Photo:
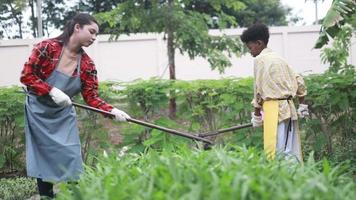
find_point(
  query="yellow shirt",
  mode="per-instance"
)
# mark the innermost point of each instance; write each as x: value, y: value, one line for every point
x: 275, y: 79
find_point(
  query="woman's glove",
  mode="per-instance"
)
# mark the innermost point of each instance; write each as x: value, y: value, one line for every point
x: 59, y: 97
x: 303, y: 110
x: 256, y: 121
x: 120, y: 115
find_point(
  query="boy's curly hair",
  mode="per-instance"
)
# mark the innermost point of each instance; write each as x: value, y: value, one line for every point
x: 255, y: 32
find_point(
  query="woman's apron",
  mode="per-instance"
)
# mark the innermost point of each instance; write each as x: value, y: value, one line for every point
x: 53, y: 150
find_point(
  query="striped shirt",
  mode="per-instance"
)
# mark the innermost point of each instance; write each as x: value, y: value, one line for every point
x: 275, y: 79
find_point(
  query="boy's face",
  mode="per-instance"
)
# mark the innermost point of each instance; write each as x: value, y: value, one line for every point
x: 255, y: 47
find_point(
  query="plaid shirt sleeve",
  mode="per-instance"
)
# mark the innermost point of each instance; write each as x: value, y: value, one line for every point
x: 302, y: 88
x: 37, y: 69
x: 88, y: 76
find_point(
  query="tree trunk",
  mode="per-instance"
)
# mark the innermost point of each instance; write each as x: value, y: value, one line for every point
x: 17, y: 19
x: 172, y: 70
x: 326, y: 131
x: 33, y: 21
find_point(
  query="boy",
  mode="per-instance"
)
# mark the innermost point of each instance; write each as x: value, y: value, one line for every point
x: 275, y: 86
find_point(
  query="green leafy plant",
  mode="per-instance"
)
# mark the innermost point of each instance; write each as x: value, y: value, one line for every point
x: 222, y: 173
x: 340, y: 13
x: 11, y: 128
x: 17, y: 188
x: 330, y: 130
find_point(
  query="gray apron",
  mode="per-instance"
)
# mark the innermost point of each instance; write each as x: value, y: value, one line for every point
x: 53, y: 150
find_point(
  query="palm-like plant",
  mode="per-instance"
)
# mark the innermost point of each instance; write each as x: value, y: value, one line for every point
x: 340, y: 13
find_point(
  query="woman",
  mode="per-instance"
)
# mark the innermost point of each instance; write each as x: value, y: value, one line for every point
x: 57, y: 70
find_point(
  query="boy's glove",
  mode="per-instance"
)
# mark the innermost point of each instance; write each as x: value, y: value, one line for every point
x: 59, y: 97
x: 120, y: 115
x: 303, y: 110
x: 256, y: 121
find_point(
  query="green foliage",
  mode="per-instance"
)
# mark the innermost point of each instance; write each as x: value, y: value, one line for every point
x: 221, y: 173
x: 146, y: 98
x: 17, y: 188
x: 208, y: 101
x: 341, y: 12
x: 187, y: 28
x: 203, y: 106
x: 337, y: 55
x: 11, y: 128
x: 270, y: 12
x: 11, y: 14
x: 331, y: 130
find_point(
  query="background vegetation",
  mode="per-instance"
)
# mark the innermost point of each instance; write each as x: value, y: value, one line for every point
x: 130, y: 161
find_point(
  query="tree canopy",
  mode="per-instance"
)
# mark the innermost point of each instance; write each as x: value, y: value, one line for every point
x: 55, y: 13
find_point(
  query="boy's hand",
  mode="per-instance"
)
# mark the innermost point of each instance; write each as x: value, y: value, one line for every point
x: 303, y: 111
x: 256, y: 121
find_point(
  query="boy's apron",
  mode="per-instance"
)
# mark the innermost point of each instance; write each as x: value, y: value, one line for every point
x: 289, y: 133
x: 270, y: 123
x: 53, y: 150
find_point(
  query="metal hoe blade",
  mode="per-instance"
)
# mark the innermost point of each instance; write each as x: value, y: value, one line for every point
x: 224, y: 130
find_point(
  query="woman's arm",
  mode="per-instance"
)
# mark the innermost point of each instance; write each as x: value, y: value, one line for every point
x: 89, y: 81
x: 33, y: 69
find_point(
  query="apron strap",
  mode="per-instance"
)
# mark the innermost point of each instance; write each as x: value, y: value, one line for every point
x: 60, y: 58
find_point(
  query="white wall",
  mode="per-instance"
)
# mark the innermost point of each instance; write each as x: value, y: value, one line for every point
x: 144, y: 56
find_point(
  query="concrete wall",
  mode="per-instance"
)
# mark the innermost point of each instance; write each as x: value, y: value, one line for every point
x: 144, y: 56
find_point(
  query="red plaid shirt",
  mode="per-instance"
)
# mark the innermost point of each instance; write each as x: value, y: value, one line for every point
x: 42, y: 62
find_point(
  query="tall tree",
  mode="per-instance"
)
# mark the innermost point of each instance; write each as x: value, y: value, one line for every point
x: 185, y: 28
x: 98, y: 6
x: 11, y: 14
x: 270, y: 12
x: 55, y: 14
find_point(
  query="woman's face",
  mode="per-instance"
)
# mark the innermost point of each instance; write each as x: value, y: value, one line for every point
x: 87, y: 34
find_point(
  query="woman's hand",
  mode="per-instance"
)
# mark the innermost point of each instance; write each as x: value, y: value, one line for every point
x: 59, y: 97
x: 120, y: 115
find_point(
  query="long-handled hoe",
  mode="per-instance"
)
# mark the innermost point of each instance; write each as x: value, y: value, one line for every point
x: 199, y: 137
x: 167, y: 130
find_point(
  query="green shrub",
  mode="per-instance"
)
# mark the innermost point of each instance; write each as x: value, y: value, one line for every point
x: 11, y: 128
x: 17, y: 188
x: 203, y: 106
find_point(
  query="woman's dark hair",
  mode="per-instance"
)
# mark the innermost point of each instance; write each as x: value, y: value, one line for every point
x: 81, y: 19
x: 255, y: 32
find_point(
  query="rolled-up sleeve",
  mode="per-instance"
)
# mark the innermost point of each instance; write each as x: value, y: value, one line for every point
x: 257, y: 100
x: 302, y: 89
x: 90, y: 86
x: 32, y: 70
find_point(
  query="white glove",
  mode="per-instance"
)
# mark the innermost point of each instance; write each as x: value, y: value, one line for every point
x: 303, y: 110
x: 120, y: 115
x: 59, y: 97
x: 256, y: 121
